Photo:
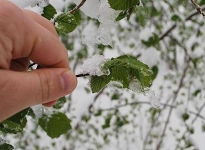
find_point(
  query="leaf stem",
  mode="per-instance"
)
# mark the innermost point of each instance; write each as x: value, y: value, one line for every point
x: 82, y: 75
x: 78, y: 75
x: 31, y: 65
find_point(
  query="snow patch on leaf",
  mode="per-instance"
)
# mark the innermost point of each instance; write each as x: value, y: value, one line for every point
x: 106, y: 16
x: 135, y: 85
x: 93, y: 66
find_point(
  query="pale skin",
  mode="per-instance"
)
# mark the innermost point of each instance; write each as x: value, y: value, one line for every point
x: 24, y: 36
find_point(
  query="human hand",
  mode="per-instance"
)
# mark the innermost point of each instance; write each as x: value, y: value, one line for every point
x: 25, y: 36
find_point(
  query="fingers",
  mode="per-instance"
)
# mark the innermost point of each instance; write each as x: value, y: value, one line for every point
x: 25, y: 34
x: 23, y: 89
x: 41, y: 21
x: 52, y: 47
x: 47, y: 50
x: 20, y: 64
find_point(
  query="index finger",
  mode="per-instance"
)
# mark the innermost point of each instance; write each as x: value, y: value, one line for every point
x: 24, y: 37
x: 47, y: 49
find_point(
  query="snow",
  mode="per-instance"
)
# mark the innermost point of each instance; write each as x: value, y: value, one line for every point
x: 90, y: 8
x: 164, y: 89
x: 89, y: 34
x: 35, y: 9
x: 2, y: 141
x: 93, y: 65
x: 135, y: 85
x: 31, y: 5
x: 106, y: 16
x: 25, y: 3
x: 153, y: 99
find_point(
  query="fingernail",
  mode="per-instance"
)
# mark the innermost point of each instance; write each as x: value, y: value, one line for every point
x: 69, y: 81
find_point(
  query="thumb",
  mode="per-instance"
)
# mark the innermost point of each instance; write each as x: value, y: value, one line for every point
x: 20, y: 90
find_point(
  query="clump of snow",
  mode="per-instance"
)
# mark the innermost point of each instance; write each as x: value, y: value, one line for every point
x: 35, y: 9
x: 32, y: 5
x: 38, y: 8
x: 153, y: 99
x: 38, y: 110
x: 90, y: 8
x: 2, y: 141
x: 25, y: 3
x: 104, y: 35
x: 89, y: 34
x: 105, y: 15
x: 135, y: 85
x: 115, y: 84
x: 93, y: 66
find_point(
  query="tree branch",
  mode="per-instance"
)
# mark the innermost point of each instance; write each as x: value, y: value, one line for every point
x: 197, y: 114
x: 198, y: 8
x: 135, y: 103
x: 194, y: 120
x: 171, y: 108
x: 175, y: 25
x: 78, y: 7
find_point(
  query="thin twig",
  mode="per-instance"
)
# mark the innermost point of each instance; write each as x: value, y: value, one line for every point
x: 135, y: 103
x: 198, y: 8
x: 175, y: 25
x: 77, y: 7
x: 82, y: 75
x: 171, y: 108
x: 197, y: 114
x: 31, y: 65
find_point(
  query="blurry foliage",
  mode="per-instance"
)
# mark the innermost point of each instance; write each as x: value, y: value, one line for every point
x: 178, y: 74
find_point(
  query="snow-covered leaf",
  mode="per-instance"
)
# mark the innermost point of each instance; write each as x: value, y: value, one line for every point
x: 123, y: 69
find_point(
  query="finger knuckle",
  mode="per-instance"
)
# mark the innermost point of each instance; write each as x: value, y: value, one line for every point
x: 45, y: 87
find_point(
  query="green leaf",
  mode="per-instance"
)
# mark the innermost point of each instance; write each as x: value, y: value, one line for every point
x: 197, y: 92
x: 123, y: 69
x: 107, y: 122
x: 185, y: 116
x: 191, y: 130
x: 15, y: 123
x: 5, y: 146
x: 142, y: 14
x: 55, y: 125
x: 98, y: 82
x: 120, y: 121
x: 123, y: 4
x: 203, y: 128
x: 60, y: 103
x: 77, y: 13
x: 155, y: 72
x: 116, y: 96
x: 49, y: 12
x: 152, y: 41
x: 175, y: 18
x: 65, y: 23
x: 122, y: 15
